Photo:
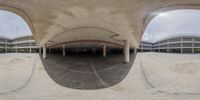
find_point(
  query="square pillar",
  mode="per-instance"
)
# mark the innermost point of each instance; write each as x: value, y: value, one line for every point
x: 104, y: 50
x: 40, y: 51
x: 64, y: 53
x: 44, y: 52
x: 193, y: 45
x: 30, y: 50
x: 6, y: 46
x: 127, y: 51
x: 135, y: 50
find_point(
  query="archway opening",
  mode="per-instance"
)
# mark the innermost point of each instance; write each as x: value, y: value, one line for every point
x: 16, y: 48
x: 169, y: 52
x: 87, y: 58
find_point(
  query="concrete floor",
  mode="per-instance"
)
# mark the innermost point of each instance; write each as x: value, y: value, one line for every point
x: 87, y: 71
x: 146, y: 80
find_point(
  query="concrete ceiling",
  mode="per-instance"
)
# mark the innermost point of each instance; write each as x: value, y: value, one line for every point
x: 58, y: 20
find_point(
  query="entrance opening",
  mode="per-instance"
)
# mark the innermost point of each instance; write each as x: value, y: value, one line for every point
x: 171, y: 65
x: 15, y: 38
x: 87, y: 65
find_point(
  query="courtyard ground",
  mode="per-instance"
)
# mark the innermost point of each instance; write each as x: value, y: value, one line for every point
x: 153, y: 76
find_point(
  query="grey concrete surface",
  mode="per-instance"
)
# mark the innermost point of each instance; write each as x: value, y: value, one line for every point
x: 68, y: 20
x: 16, y: 71
x: 87, y: 71
x: 174, y: 74
x: 133, y: 86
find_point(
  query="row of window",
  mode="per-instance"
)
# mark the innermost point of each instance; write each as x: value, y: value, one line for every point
x: 172, y: 45
x: 16, y: 40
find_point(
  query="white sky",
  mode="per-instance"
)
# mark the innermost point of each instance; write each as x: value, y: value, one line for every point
x: 173, y: 23
x: 9, y: 23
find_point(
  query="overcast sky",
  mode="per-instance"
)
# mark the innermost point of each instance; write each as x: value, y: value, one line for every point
x: 173, y: 23
x: 9, y: 23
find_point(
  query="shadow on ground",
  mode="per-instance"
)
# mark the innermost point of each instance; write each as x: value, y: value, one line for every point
x: 87, y: 71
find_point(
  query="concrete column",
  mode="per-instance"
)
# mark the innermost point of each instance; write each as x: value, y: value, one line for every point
x: 49, y: 50
x: 142, y: 48
x: 159, y: 47
x: 44, y: 52
x: 104, y: 50
x: 30, y: 50
x: 192, y: 45
x: 181, y: 45
x: 40, y: 51
x: 16, y: 49
x: 6, y: 46
x: 64, y: 50
x: 135, y: 50
x: 127, y: 51
x: 167, y: 46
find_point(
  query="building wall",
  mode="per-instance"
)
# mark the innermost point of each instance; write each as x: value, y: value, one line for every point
x: 19, y: 44
x: 178, y: 44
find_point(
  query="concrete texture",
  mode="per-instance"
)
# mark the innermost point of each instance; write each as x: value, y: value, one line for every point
x: 146, y: 80
x: 57, y: 21
x: 87, y: 71
x: 15, y: 71
x: 174, y: 74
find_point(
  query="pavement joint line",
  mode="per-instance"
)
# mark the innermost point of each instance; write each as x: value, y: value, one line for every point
x: 161, y: 91
x: 99, y: 78
x: 26, y: 82
x: 107, y: 69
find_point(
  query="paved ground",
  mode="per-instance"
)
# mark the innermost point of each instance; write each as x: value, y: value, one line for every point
x: 87, y: 71
x: 152, y: 77
x: 174, y: 74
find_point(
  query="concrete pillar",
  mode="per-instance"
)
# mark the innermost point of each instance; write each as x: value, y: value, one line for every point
x: 159, y: 47
x: 135, y: 50
x: 192, y: 45
x: 142, y: 47
x: 44, y: 52
x: 6, y: 46
x: 40, y: 51
x: 49, y: 50
x: 193, y: 50
x: 30, y: 50
x: 64, y: 50
x: 167, y: 46
x: 181, y: 45
x: 127, y: 51
x: 16, y: 49
x: 104, y: 50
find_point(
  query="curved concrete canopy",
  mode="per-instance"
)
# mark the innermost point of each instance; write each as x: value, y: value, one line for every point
x: 127, y: 18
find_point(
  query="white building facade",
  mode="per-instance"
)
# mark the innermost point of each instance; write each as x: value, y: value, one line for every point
x: 22, y: 44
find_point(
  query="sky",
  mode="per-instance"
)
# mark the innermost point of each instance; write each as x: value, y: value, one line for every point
x: 10, y: 22
x: 173, y: 23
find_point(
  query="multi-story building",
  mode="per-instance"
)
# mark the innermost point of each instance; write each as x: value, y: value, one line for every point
x: 19, y: 44
x: 176, y: 44
x: 172, y: 44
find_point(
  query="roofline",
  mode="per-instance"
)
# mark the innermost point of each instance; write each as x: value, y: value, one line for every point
x: 173, y: 36
x: 22, y: 36
x: 7, y: 38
